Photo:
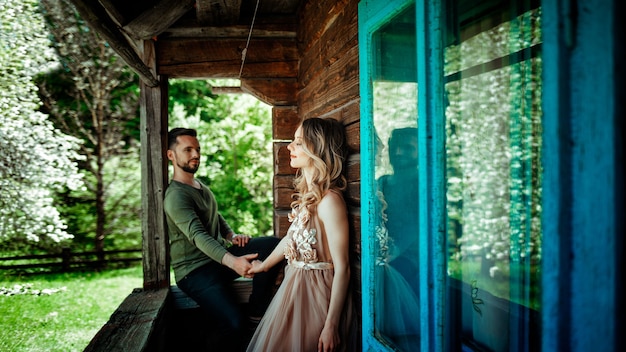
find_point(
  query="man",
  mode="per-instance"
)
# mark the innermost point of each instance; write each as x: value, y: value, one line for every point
x: 204, y: 264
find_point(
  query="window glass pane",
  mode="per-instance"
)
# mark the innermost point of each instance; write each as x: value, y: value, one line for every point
x: 493, y: 174
x: 396, y: 308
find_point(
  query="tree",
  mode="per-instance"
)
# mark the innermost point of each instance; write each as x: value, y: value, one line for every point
x: 239, y: 165
x: 36, y: 158
x: 95, y: 97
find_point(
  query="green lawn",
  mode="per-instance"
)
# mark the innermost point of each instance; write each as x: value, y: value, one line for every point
x: 67, y: 319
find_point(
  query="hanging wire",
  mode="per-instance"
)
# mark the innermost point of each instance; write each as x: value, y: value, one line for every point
x: 245, y: 50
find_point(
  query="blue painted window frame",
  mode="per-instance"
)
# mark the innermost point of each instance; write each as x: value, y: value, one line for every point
x: 372, y: 15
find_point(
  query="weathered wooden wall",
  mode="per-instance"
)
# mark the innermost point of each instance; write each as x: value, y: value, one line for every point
x: 328, y: 86
x: 329, y: 76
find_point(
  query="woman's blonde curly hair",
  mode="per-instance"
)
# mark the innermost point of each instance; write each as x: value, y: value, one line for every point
x: 324, y: 141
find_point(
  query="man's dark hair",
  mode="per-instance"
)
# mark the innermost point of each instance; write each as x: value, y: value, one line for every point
x: 179, y: 131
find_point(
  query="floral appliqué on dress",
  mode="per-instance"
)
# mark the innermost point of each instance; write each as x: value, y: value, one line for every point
x: 385, y: 242
x: 300, y: 246
x: 384, y: 245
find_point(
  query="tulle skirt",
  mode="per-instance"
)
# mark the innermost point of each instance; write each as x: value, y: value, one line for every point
x: 294, y: 320
x: 397, y: 309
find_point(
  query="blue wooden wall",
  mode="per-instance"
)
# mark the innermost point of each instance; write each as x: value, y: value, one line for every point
x: 583, y: 184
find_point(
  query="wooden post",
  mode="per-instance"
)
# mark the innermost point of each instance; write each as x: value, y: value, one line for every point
x: 155, y: 245
x: 66, y: 256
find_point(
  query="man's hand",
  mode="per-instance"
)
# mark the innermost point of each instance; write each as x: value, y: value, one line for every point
x: 239, y: 240
x: 240, y: 265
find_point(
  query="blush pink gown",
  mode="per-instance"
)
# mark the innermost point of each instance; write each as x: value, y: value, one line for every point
x: 295, y: 317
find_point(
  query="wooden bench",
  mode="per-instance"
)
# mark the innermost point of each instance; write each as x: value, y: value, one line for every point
x: 136, y: 325
x: 158, y: 320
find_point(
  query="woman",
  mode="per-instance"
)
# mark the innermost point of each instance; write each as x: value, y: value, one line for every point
x: 307, y: 312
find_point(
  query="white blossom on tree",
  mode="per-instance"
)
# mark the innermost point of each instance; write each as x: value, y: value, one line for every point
x: 94, y: 96
x: 36, y: 158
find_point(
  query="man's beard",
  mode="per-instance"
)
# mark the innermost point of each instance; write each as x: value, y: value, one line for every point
x: 189, y: 169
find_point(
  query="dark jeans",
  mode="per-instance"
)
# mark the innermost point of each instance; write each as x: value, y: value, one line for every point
x: 211, y: 287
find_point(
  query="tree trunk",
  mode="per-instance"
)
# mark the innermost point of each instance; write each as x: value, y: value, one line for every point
x: 100, y: 219
x: 100, y: 198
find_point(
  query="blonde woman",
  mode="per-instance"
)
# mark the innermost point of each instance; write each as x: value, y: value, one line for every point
x: 311, y: 310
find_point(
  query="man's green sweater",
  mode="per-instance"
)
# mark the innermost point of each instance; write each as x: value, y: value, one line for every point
x: 195, y: 228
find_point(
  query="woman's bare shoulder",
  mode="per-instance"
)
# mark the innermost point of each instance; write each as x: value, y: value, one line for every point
x: 331, y: 202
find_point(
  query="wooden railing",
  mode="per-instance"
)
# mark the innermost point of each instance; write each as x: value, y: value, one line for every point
x: 68, y: 260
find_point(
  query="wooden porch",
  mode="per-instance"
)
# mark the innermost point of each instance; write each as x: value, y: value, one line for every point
x: 299, y: 56
x: 162, y: 319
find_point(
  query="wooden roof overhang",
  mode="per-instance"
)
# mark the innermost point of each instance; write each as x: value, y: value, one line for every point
x: 205, y: 39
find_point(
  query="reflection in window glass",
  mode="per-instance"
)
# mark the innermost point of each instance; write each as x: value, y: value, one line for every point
x: 493, y: 174
x: 395, y: 122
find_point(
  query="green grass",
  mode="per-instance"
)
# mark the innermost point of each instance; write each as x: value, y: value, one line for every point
x: 68, y: 319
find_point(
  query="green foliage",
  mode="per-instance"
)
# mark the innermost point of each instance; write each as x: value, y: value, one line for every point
x: 195, y: 97
x: 123, y: 208
x: 68, y: 319
x: 78, y: 210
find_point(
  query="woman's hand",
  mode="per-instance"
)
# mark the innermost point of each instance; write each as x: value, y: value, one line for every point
x: 257, y: 267
x: 329, y: 339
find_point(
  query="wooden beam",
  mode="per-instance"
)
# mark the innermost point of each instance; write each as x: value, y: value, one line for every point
x: 274, y: 92
x: 189, y: 29
x: 221, y: 58
x: 281, y: 222
x: 201, y: 50
x: 282, y: 166
x: 218, y: 12
x: 226, y: 90
x: 157, y: 19
x: 230, y: 69
x: 285, y: 121
x: 153, y: 131
x: 99, y: 20
x: 116, y: 15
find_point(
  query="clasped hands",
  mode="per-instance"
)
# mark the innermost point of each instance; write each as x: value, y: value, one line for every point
x: 245, y: 265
